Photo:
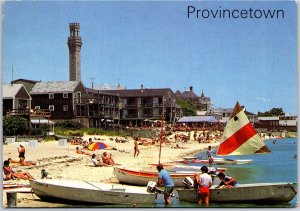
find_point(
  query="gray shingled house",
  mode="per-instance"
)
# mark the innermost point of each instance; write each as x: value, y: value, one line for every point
x: 15, y: 97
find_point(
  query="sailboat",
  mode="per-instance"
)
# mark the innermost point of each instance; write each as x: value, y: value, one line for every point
x: 239, y: 138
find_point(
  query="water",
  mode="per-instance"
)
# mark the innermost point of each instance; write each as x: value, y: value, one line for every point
x: 278, y: 166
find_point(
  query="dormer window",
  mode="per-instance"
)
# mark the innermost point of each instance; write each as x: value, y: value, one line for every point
x: 51, y: 96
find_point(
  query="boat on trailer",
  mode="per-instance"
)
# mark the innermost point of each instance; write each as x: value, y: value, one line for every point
x: 132, y: 177
x: 88, y: 192
x: 252, y: 193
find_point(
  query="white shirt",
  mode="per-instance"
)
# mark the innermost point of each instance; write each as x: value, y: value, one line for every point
x: 205, y: 180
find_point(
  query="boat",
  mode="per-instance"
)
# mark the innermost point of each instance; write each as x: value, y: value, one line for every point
x: 88, y: 192
x: 217, y: 161
x: 240, y: 137
x: 245, y: 193
x: 133, y: 177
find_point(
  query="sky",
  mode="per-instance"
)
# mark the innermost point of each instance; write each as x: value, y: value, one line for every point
x: 249, y: 60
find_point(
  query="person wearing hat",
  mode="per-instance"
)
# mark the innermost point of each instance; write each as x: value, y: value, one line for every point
x: 226, y: 181
x: 165, y: 179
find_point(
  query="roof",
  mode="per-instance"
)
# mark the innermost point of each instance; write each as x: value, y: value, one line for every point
x: 25, y: 80
x: 141, y: 92
x: 197, y: 119
x: 10, y: 90
x: 97, y: 91
x: 54, y: 86
x: 188, y: 94
x: 268, y: 118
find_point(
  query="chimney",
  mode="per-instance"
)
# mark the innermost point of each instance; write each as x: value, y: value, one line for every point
x: 142, y: 87
x: 191, y: 88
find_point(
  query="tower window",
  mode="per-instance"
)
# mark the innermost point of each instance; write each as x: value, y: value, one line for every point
x: 65, y: 95
x: 51, y: 96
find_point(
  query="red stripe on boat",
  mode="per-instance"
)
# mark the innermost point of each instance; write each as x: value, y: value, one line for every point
x: 236, y: 140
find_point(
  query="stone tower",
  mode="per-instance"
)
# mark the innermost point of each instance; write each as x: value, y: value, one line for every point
x: 74, y: 43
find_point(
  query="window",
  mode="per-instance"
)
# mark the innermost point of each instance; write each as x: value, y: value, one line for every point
x: 37, y: 107
x: 65, y: 108
x: 51, y: 96
x: 51, y: 107
x: 65, y: 95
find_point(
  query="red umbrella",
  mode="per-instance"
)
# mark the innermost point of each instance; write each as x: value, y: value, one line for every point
x: 97, y: 146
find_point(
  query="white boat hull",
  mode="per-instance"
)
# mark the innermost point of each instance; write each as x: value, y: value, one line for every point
x: 257, y: 192
x: 98, y: 193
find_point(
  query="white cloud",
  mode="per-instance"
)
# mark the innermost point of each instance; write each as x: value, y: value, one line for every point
x: 263, y: 99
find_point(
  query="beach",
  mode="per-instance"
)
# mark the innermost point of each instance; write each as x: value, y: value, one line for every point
x: 62, y: 161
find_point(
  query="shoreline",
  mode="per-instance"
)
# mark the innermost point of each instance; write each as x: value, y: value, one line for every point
x: 62, y: 162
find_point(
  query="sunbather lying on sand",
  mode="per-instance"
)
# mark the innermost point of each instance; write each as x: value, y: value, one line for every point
x: 79, y: 151
x: 11, y: 174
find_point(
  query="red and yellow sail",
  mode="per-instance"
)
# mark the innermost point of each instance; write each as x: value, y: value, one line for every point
x: 239, y: 137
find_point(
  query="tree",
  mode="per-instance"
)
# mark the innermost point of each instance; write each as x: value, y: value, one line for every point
x: 272, y: 112
x: 14, y: 125
x: 188, y: 109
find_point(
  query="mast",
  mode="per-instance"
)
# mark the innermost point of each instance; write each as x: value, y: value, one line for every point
x: 161, y: 137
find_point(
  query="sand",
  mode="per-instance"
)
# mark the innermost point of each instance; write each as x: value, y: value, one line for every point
x: 62, y: 162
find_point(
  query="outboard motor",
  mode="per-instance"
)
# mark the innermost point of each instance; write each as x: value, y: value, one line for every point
x: 212, y: 173
x: 188, y: 183
x: 151, y: 188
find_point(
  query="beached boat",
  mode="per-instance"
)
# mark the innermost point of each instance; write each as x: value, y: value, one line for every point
x: 252, y: 193
x: 132, y: 177
x: 87, y: 192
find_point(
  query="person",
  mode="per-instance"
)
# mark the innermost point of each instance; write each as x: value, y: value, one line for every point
x: 78, y: 151
x: 97, y: 162
x: 107, y: 159
x: 203, y: 183
x: 226, y: 181
x: 45, y: 174
x: 21, y: 150
x: 136, y: 147
x: 165, y: 179
x: 11, y: 174
x: 209, y: 153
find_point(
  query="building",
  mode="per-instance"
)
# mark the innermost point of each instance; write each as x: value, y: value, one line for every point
x: 97, y: 108
x: 203, y: 104
x: 59, y: 97
x: 16, y: 100
x: 223, y: 114
x: 268, y: 123
x: 74, y: 44
x: 139, y: 105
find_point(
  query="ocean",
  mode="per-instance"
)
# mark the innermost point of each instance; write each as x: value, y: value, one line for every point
x: 278, y: 166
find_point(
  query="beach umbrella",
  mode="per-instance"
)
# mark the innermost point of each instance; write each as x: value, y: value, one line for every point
x: 97, y: 146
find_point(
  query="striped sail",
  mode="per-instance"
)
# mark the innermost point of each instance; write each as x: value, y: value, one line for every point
x: 240, y: 138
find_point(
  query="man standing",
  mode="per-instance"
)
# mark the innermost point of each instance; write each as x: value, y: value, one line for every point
x: 204, y: 182
x: 209, y: 153
x: 165, y: 179
x: 136, y: 147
